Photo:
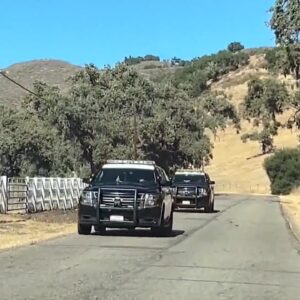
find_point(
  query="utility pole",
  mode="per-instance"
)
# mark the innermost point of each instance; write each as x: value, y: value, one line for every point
x: 135, y: 137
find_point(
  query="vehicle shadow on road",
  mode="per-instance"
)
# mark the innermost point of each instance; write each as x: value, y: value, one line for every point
x: 196, y: 211
x: 137, y: 233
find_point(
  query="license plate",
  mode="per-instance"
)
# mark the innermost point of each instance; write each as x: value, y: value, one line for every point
x: 116, y: 218
x: 186, y: 202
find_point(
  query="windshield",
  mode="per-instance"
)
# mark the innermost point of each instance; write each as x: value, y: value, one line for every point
x: 125, y: 176
x: 189, y: 178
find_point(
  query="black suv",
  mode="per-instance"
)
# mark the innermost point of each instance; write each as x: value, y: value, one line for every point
x: 193, y: 189
x: 127, y: 194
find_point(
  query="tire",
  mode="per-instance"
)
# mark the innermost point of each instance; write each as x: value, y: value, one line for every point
x: 165, y: 228
x: 100, y: 229
x: 209, y: 207
x: 84, y: 229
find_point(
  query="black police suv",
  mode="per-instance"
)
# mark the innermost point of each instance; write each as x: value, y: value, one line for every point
x: 193, y: 189
x: 127, y: 194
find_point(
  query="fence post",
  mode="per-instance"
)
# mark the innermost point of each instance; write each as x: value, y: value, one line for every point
x: 3, y: 193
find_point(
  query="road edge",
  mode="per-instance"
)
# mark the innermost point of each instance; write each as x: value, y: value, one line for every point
x: 33, y: 242
x: 290, y: 220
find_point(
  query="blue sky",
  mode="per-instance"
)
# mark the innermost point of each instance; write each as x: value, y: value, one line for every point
x: 105, y: 31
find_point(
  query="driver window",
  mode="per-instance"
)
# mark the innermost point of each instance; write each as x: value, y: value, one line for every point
x: 162, y: 176
x: 165, y: 175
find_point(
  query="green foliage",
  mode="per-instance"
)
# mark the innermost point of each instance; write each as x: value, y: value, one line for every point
x: 265, y: 100
x: 283, y: 169
x: 150, y: 57
x: 294, y: 120
x: 235, y: 47
x: 277, y: 60
x: 218, y: 110
x: 56, y: 134
x: 26, y: 146
x: 285, y: 23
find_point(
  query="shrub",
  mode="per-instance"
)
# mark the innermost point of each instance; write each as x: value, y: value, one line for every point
x: 283, y: 169
x: 235, y: 47
x: 150, y: 57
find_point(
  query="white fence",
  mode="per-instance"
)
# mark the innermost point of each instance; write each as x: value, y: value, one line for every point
x: 44, y: 193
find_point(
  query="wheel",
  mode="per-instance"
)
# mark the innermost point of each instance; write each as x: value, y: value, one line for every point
x: 165, y: 228
x: 209, y: 207
x: 100, y: 229
x: 84, y: 229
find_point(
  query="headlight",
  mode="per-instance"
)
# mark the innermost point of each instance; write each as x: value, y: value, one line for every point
x: 150, y: 200
x: 89, y: 198
x: 202, y: 192
x: 174, y: 190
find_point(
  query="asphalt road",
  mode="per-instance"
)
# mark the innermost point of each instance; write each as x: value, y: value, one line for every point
x: 244, y: 251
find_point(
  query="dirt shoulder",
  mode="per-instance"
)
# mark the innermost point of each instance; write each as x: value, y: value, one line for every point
x: 291, y: 208
x: 19, y: 230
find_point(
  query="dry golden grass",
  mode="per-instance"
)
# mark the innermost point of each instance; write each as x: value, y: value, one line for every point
x: 19, y: 230
x: 237, y: 166
x: 291, y: 208
x: 231, y: 167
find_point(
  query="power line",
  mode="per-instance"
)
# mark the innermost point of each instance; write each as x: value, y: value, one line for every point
x: 20, y: 85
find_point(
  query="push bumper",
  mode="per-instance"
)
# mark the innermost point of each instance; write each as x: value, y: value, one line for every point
x: 120, y: 217
x: 191, y: 202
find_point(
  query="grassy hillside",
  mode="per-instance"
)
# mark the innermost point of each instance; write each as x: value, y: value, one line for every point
x: 53, y: 72
x: 155, y: 70
x: 56, y: 72
x: 237, y: 166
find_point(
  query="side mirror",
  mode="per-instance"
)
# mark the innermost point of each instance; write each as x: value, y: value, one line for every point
x: 212, y: 182
x: 87, y: 180
x: 167, y: 183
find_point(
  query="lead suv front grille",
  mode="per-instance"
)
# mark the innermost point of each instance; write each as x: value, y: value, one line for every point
x: 119, y: 198
x: 186, y: 191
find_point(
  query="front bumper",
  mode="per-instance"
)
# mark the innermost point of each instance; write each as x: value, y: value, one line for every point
x: 190, y: 202
x: 139, y: 217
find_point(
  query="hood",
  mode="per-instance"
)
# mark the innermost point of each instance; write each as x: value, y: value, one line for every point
x: 194, y: 185
x: 152, y: 188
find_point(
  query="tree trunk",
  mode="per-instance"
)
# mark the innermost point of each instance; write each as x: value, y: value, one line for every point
x: 263, y: 146
x: 297, y: 75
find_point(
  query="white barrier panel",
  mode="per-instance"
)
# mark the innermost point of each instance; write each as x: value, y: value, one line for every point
x: 44, y: 193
